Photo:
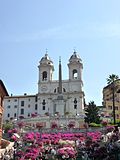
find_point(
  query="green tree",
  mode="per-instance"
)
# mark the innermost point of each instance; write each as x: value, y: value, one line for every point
x: 7, y: 126
x: 112, y: 81
x: 92, y: 113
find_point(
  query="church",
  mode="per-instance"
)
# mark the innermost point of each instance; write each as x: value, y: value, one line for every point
x: 54, y: 97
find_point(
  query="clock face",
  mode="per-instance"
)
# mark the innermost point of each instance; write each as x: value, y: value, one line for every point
x: 44, y: 88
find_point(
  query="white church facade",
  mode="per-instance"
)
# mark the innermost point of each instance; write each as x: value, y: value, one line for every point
x: 62, y: 97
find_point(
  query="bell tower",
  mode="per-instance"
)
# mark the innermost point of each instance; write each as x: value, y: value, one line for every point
x: 75, y: 67
x: 75, y: 83
x: 46, y: 69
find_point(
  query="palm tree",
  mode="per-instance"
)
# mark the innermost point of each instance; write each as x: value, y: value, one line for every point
x: 112, y: 82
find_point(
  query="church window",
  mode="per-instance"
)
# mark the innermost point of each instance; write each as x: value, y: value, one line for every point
x: 75, y: 103
x: 75, y: 74
x: 43, y: 107
x: 64, y: 90
x: 44, y: 76
x: 43, y: 103
x: 14, y: 114
x: 57, y: 90
x: 8, y: 115
x: 75, y: 106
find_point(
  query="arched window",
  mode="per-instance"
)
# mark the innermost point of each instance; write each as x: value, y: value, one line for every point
x: 44, y: 76
x: 75, y: 103
x: 75, y: 74
x: 15, y: 114
x: 64, y: 90
x: 55, y: 90
x: 43, y: 104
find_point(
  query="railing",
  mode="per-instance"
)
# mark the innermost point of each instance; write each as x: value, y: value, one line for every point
x: 51, y: 118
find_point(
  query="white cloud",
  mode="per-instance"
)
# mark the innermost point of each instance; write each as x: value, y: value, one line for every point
x: 106, y: 30
x: 90, y: 30
x: 74, y: 31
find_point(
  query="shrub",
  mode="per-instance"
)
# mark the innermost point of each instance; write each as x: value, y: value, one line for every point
x: 94, y: 125
x: 117, y: 122
x: 7, y: 126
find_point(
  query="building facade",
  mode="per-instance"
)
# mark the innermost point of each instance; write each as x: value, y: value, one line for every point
x: 3, y: 93
x: 63, y: 97
x: 18, y: 107
x: 108, y: 100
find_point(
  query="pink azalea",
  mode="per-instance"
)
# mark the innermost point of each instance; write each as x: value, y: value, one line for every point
x: 39, y: 145
x: 67, y: 151
x: 34, y: 115
x: 10, y: 133
x: 54, y: 125
x: 31, y: 156
x: 14, y: 138
x: 14, y: 130
x: 29, y: 137
x: 20, y: 124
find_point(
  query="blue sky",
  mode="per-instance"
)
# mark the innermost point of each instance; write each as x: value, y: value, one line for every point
x: 28, y: 27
